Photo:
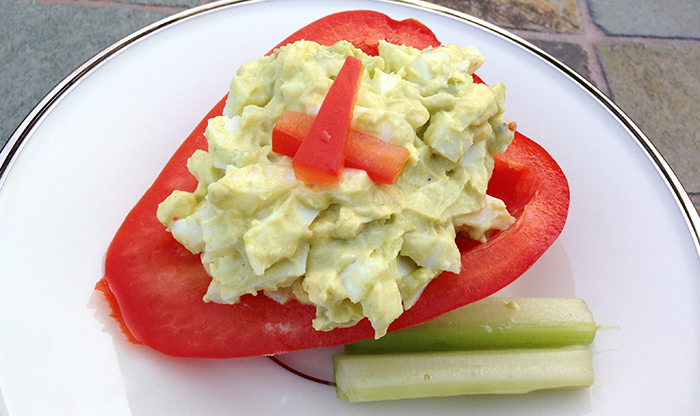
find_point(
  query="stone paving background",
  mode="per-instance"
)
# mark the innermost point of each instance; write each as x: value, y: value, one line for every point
x: 644, y: 54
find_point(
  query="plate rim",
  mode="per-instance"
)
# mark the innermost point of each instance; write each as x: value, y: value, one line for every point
x: 34, y: 120
x: 11, y: 150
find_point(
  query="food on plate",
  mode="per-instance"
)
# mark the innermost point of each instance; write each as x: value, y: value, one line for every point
x: 304, y: 228
x: 492, y: 346
x: 244, y: 258
x: 383, y: 161
x: 493, y: 323
x: 320, y: 158
x: 451, y: 373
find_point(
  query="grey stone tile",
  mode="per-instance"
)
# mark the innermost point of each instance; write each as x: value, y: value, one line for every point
x: 41, y: 44
x: 670, y: 18
x: 570, y: 54
x: 561, y: 16
x: 172, y: 3
x: 657, y: 86
x: 696, y: 200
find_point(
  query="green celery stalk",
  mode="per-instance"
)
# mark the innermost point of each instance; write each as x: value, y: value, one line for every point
x: 493, y: 323
x: 438, y: 374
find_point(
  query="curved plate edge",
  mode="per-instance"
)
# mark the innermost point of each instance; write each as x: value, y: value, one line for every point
x: 18, y: 139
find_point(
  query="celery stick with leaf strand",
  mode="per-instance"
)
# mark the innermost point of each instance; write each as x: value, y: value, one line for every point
x: 493, y: 323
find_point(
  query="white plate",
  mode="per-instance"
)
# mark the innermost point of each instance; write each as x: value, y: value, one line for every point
x: 92, y: 147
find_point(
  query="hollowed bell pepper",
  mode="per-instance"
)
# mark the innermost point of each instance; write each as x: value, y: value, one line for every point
x: 155, y: 286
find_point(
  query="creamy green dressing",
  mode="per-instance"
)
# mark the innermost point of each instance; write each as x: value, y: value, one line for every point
x: 358, y: 249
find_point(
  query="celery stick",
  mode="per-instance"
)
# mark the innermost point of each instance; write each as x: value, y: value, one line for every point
x: 493, y: 323
x: 437, y: 374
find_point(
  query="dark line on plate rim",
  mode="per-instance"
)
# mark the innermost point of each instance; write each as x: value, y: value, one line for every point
x: 300, y: 373
x: 17, y: 140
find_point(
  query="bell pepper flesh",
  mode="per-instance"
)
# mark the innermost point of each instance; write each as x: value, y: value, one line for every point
x: 364, y: 29
x: 155, y: 286
x: 321, y: 156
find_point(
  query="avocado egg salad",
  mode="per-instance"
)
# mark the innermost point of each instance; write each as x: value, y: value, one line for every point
x: 357, y: 248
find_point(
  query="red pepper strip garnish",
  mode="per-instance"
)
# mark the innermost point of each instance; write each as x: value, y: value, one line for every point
x: 383, y: 161
x: 321, y: 156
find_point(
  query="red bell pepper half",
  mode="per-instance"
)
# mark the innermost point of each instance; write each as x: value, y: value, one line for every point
x: 155, y: 286
x: 383, y: 161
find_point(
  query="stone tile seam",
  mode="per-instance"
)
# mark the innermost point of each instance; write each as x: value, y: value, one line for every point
x: 589, y: 43
x: 593, y: 32
x: 591, y: 36
x: 588, y: 46
x: 108, y: 4
x: 600, y: 38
